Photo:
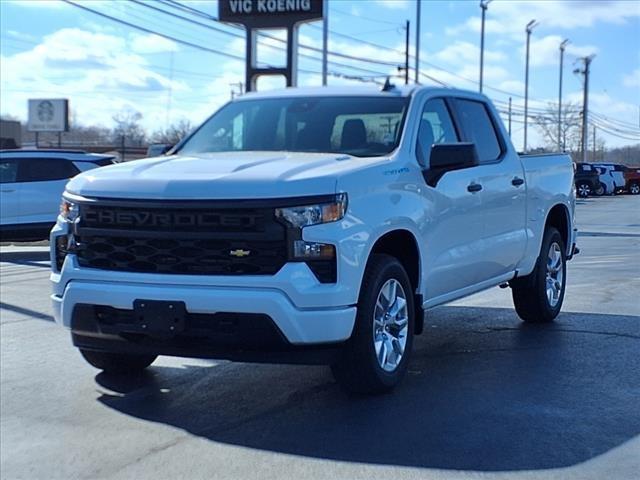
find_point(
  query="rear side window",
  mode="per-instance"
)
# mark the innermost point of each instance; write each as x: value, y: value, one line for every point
x: 8, y: 170
x: 46, y: 169
x: 478, y: 128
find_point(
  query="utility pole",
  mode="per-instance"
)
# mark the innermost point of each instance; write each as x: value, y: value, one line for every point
x: 325, y: 43
x: 418, y: 4
x: 561, y: 145
x: 594, y: 143
x: 484, y: 4
x: 406, y: 56
x: 585, y: 104
x: 509, y: 116
x: 529, y: 29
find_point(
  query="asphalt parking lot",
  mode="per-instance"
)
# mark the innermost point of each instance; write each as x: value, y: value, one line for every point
x: 486, y: 396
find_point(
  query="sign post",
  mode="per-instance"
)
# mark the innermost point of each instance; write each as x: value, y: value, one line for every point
x: 270, y: 14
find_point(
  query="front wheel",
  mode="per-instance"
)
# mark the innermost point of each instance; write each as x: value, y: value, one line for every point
x: 376, y: 356
x: 119, y: 363
x: 538, y: 297
x: 583, y: 189
x: 601, y: 189
x: 634, y: 188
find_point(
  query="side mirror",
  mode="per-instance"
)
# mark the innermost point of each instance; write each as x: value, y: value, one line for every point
x: 158, y: 149
x: 446, y: 157
x: 453, y: 156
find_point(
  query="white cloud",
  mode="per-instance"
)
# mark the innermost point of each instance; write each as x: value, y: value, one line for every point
x: 510, y: 17
x: 545, y: 51
x: 393, y: 4
x: 144, y: 44
x: 98, y: 72
x: 632, y: 79
x: 467, y: 52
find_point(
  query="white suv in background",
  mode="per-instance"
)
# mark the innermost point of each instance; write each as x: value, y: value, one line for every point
x: 31, y: 183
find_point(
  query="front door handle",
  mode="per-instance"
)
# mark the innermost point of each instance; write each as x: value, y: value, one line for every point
x: 474, y: 187
x: 517, y: 181
x: 7, y: 191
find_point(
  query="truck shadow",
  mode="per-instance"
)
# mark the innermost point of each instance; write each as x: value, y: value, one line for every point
x: 483, y: 392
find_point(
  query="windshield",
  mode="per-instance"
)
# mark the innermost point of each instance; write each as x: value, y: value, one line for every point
x: 360, y: 126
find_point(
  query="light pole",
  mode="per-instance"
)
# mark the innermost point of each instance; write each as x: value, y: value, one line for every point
x: 530, y: 26
x: 418, y: 14
x: 484, y: 4
x: 561, y: 145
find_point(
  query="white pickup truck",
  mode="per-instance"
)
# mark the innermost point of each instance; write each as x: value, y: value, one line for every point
x: 313, y: 226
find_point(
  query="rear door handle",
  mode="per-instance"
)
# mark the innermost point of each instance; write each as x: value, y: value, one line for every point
x: 517, y: 181
x: 7, y: 191
x: 474, y: 187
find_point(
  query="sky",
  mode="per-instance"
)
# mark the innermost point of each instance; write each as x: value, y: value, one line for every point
x: 52, y: 49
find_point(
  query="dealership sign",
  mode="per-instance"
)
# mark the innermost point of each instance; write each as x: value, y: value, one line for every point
x: 269, y: 13
x: 48, y: 115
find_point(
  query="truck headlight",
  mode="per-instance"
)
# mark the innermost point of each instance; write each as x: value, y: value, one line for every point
x: 69, y: 211
x: 307, y: 215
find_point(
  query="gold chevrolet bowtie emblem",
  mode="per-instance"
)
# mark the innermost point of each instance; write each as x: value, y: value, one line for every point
x: 240, y: 253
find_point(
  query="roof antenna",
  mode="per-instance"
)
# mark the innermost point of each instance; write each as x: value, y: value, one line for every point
x: 388, y: 86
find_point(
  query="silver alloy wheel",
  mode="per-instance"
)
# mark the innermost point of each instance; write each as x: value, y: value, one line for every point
x: 634, y: 189
x: 584, y: 190
x: 555, y: 274
x: 390, y: 325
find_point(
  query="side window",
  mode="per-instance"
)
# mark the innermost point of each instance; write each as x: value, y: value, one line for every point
x: 478, y: 128
x: 435, y: 127
x: 8, y: 170
x: 46, y: 169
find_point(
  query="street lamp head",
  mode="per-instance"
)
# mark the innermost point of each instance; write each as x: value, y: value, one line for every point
x: 531, y: 25
x: 485, y: 3
x: 564, y: 43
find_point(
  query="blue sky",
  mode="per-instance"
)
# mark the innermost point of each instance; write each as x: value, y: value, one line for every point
x: 53, y: 49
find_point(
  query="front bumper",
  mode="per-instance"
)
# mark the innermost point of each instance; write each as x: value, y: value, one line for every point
x: 299, y: 327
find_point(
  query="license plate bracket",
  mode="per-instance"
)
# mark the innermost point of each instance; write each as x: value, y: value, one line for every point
x: 159, y: 316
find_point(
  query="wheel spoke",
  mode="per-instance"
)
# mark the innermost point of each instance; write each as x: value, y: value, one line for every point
x: 397, y: 306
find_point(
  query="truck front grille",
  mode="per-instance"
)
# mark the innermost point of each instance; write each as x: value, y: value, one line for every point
x: 180, y: 239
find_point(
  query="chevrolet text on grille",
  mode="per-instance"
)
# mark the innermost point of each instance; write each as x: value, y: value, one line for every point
x: 168, y: 219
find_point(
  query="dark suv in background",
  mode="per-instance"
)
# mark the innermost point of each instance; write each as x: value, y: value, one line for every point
x: 587, y: 179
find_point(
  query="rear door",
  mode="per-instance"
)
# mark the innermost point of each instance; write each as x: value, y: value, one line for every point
x: 9, y: 192
x: 43, y: 181
x: 501, y: 176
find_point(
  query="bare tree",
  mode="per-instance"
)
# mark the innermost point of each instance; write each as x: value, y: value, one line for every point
x: 570, y: 133
x: 174, y: 133
x: 127, y: 125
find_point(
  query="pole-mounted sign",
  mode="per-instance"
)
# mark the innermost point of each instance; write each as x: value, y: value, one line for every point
x: 263, y: 14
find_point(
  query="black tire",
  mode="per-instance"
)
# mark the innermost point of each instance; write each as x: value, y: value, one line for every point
x: 583, y: 189
x: 600, y: 190
x: 634, y: 188
x: 119, y: 363
x: 529, y: 293
x: 358, y: 370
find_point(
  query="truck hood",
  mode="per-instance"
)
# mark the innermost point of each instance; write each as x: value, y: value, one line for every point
x: 226, y: 175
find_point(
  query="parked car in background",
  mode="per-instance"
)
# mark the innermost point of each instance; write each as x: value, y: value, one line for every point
x: 632, y: 180
x: 586, y: 179
x: 606, y: 185
x: 31, y: 183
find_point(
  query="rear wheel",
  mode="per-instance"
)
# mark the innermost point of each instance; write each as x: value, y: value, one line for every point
x: 376, y: 357
x: 634, y: 188
x: 583, y: 189
x: 117, y: 362
x: 538, y: 297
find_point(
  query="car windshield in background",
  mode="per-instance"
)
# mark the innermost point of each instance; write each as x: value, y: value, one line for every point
x: 359, y: 126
